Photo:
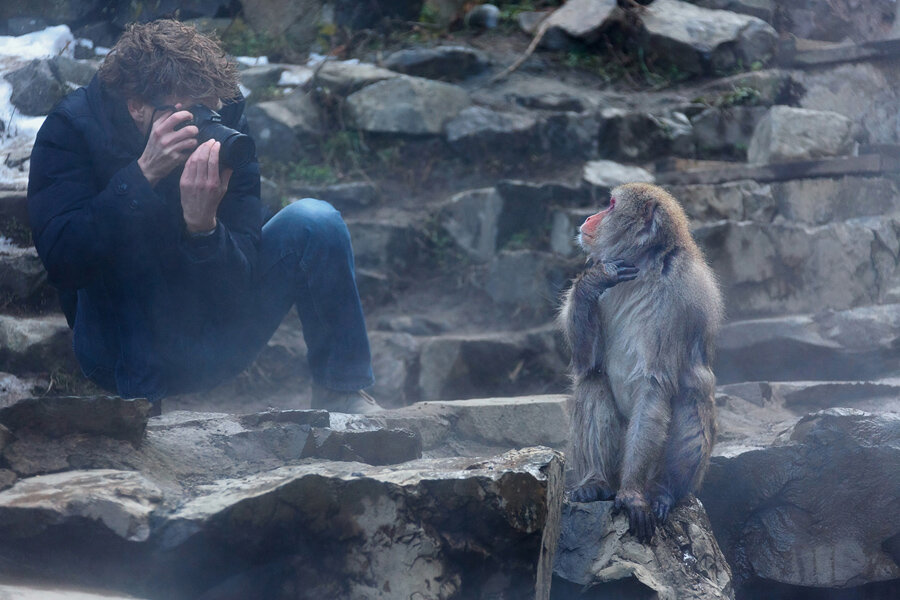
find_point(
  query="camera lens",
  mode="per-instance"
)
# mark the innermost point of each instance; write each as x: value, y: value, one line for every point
x: 237, y: 149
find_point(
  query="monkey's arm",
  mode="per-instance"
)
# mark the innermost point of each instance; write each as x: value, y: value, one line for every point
x: 580, y: 314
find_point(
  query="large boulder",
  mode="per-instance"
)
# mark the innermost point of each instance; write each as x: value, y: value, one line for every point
x: 345, y: 77
x: 596, y: 551
x: 36, y: 87
x: 406, y: 105
x: 778, y: 268
x: 287, y: 128
x: 837, y: 20
x: 584, y: 20
x: 764, y: 9
x: 434, y: 528
x: 699, y: 40
x: 815, y: 508
x: 725, y: 133
x: 787, y: 133
x: 23, y: 280
x: 485, y: 135
x: 836, y: 345
x: 297, y: 23
x: 606, y: 175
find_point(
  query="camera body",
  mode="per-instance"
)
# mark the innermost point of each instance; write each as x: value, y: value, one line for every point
x: 237, y: 148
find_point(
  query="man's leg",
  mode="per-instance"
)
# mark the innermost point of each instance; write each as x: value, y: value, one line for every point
x: 306, y: 261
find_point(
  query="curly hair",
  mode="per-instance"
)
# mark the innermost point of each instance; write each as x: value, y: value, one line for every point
x: 166, y: 57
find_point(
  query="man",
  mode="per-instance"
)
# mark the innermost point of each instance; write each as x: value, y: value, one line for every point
x: 166, y: 273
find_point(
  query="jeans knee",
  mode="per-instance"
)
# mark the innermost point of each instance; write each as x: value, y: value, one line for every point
x: 310, y: 222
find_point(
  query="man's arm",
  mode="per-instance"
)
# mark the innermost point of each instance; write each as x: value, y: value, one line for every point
x: 78, y: 227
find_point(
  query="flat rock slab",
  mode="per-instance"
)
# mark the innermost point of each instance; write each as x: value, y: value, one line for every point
x: 433, y: 528
x: 850, y: 345
x: 55, y: 417
x: 815, y: 508
x: 406, y: 105
x: 683, y: 561
x: 119, y: 501
x: 373, y: 447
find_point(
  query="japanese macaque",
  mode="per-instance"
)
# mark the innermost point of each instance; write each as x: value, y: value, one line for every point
x: 641, y: 321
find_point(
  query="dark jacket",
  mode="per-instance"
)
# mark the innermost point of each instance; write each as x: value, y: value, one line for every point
x: 149, y: 297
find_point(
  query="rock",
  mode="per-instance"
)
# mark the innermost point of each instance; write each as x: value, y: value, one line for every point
x: 802, y: 397
x: 54, y: 417
x: 555, y: 101
x: 698, y: 40
x: 566, y: 135
x: 545, y: 193
x: 7, y: 479
x: 13, y: 207
x: 527, y: 279
x: 384, y: 244
x: 763, y: 9
x: 755, y: 88
x: 606, y: 174
x: 778, y: 268
x: 780, y: 513
x: 483, y: 16
x: 683, y: 562
x: 352, y: 195
x: 36, y: 87
x: 395, y: 362
x: 481, y: 134
x: 554, y: 38
x: 744, y: 200
x: 864, y: 92
x: 725, y: 133
x: 472, y: 366
x: 23, y: 280
x: 286, y: 127
x: 406, y: 105
x: 585, y: 20
x: 24, y: 592
x: 471, y: 218
x: 634, y: 136
x: 410, y: 530
x: 356, y: 15
x: 119, y: 501
x: 564, y: 229
x: 345, y: 77
x: 13, y: 388
x: 295, y: 22
x: 38, y: 344
x: 261, y: 76
x: 841, y: 345
x: 859, y: 20
x: 788, y: 133
x: 446, y: 63
x: 373, y: 446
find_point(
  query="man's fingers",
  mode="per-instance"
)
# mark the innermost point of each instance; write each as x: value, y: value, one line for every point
x: 212, y: 164
x: 225, y: 177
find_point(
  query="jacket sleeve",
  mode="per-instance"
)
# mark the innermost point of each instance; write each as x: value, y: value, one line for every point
x: 77, y: 224
x: 227, y: 258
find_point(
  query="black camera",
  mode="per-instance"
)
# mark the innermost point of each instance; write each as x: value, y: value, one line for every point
x: 237, y: 148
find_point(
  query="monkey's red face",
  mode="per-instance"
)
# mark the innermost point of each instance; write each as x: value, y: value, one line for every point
x: 589, y: 227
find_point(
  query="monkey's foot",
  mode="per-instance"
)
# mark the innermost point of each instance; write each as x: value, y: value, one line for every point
x: 640, y: 518
x: 661, y: 507
x: 592, y: 490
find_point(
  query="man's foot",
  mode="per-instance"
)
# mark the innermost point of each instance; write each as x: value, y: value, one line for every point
x: 356, y: 403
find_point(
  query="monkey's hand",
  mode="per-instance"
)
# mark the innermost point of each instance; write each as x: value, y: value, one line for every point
x: 602, y: 276
x: 640, y: 518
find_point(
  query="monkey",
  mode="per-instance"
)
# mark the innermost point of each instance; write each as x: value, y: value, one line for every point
x: 641, y: 321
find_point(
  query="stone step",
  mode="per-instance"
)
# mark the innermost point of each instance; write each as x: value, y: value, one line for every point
x: 849, y: 345
x: 36, y: 345
x: 23, y: 280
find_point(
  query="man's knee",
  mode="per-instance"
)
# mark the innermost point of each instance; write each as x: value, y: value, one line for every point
x: 312, y: 221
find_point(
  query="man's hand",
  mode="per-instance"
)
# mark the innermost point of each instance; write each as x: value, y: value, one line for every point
x: 167, y: 148
x: 202, y: 187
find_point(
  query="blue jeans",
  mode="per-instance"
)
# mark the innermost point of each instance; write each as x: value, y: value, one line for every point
x: 306, y: 260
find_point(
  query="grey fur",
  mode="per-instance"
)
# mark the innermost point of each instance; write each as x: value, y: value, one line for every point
x: 643, y: 410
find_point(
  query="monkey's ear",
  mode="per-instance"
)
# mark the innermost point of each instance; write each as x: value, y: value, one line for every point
x: 651, y: 216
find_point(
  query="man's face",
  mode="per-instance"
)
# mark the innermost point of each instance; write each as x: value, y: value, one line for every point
x: 145, y: 114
